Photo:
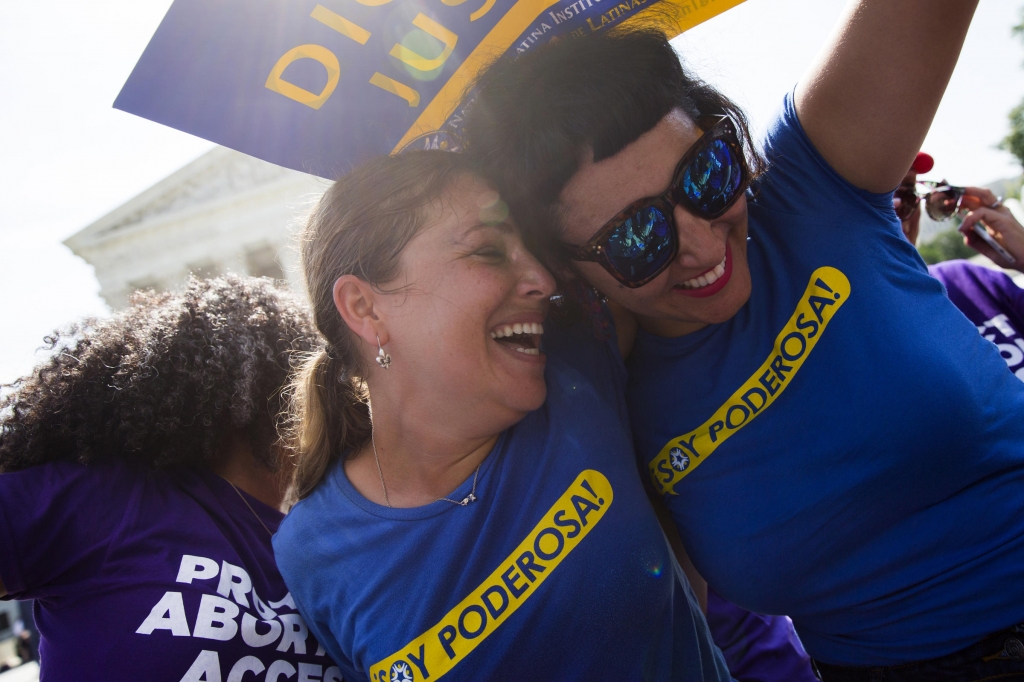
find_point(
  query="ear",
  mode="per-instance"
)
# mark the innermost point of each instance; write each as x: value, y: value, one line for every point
x: 355, y: 301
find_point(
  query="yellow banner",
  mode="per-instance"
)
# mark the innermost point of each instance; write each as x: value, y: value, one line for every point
x: 825, y: 294
x: 674, y: 17
x: 475, y: 618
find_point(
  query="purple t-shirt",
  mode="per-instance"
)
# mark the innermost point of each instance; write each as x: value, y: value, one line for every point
x: 757, y: 648
x: 992, y: 302
x: 157, y: 576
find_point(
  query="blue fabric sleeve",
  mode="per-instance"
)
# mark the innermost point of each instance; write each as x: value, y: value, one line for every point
x: 295, y: 551
x: 799, y: 181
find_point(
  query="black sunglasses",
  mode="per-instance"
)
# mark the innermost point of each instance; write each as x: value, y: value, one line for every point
x: 641, y: 241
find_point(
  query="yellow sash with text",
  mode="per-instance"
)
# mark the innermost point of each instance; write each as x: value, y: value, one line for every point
x: 826, y: 292
x: 475, y: 618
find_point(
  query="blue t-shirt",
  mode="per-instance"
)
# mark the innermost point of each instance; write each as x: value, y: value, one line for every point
x: 559, y: 570
x: 846, y: 450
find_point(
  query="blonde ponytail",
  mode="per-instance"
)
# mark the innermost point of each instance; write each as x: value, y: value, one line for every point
x: 330, y: 410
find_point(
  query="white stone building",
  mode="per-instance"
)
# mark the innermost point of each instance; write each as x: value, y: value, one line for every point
x: 228, y: 212
x: 224, y: 212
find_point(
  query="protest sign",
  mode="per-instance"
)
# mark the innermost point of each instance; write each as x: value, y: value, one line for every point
x: 318, y: 85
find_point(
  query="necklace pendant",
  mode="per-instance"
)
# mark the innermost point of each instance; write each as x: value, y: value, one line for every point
x: 470, y: 498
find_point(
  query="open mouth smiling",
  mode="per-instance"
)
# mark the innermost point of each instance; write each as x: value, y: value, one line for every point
x: 709, y: 282
x: 520, y: 337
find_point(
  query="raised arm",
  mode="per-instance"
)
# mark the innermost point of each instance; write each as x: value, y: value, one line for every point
x: 868, y: 100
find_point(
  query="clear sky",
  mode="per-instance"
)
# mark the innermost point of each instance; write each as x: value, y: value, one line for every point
x: 67, y: 157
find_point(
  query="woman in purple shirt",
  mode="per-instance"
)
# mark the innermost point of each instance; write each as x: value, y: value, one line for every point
x: 141, y: 484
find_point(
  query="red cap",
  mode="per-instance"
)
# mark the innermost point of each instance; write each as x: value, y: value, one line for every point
x: 923, y: 163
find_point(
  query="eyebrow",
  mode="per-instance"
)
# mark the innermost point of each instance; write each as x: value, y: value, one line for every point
x: 504, y: 227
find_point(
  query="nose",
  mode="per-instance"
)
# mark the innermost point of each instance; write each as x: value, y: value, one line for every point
x: 699, y: 245
x: 534, y: 279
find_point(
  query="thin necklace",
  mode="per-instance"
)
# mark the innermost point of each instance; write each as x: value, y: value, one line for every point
x: 471, y: 497
x: 466, y: 500
x: 250, y: 507
x: 379, y: 472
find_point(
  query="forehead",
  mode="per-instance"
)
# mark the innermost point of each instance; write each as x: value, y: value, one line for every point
x: 469, y: 205
x: 641, y: 169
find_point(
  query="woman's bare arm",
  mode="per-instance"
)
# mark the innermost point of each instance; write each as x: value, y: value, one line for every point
x: 869, y: 99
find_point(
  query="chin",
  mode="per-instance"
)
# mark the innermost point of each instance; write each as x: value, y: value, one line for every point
x: 734, y: 298
x: 534, y: 399
x: 528, y: 396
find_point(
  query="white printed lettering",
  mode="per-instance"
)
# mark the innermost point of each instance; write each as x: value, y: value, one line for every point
x: 1002, y: 324
x: 255, y: 639
x: 295, y: 632
x: 1010, y: 353
x: 333, y: 674
x: 234, y: 580
x: 310, y: 672
x: 265, y: 611
x: 248, y: 664
x: 196, y: 568
x: 168, y: 614
x: 287, y: 601
x: 206, y: 668
x: 278, y: 668
x: 216, y: 619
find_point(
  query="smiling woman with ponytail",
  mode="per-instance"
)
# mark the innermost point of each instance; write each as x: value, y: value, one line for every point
x: 329, y: 398
x: 470, y: 504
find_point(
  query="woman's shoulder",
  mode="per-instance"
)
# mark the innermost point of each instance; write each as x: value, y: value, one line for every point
x: 69, y: 483
x: 57, y: 520
x: 799, y: 181
x: 304, y: 525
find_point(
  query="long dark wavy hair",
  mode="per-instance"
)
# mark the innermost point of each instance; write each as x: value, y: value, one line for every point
x: 163, y: 381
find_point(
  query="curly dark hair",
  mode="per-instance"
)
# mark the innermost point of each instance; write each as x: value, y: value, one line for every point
x: 164, y: 381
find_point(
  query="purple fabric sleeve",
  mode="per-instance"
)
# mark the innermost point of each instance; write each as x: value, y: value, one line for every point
x: 981, y: 293
x: 56, y: 524
x: 757, y: 648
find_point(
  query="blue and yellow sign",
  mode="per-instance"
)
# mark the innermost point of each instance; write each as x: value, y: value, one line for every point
x: 318, y: 85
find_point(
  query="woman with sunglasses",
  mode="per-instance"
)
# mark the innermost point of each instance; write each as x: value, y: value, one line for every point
x: 471, y: 508
x: 834, y: 440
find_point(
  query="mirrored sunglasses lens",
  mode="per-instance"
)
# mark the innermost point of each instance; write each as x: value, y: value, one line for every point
x: 908, y: 201
x: 712, y: 180
x: 941, y: 205
x: 640, y: 246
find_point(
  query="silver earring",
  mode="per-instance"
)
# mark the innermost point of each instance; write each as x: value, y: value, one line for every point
x: 383, y: 359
